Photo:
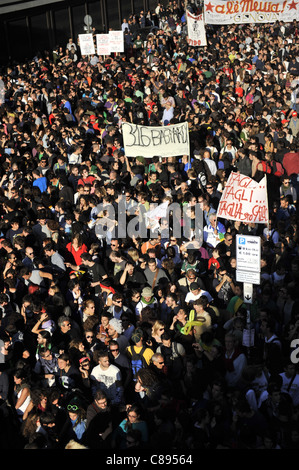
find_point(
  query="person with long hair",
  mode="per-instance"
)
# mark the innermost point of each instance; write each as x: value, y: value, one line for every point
x: 132, y: 421
x: 76, y: 350
x: 55, y: 302
x: 149, y: 388
x: 38, y: 403
x: 43, y: 342
x: 158, y: 329
x: 75, y: 425
x: 76, y: 248
x: 21, y: 393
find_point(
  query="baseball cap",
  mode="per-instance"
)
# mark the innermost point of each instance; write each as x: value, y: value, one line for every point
x: 194, y: 286
x: 294, y: 113
x: 284, y: 121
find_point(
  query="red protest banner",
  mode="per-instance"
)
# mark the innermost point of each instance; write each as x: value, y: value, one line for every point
x: 244, y: 200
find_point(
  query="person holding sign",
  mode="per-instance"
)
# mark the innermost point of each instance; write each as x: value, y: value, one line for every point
x: 213, y: 233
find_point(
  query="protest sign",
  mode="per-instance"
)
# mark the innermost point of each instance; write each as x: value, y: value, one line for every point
x: 158, y: 212
x: 153, y: 216
x: 86, y: 44
x: 103, y: 44
x: 249, y: 11
x: 244, y: 200
x: 147, y: 141
x: 116, y: 41
x: 196, y: 30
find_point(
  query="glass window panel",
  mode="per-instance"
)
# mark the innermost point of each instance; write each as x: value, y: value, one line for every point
x: 18, y: 39
x: 78, y: 14
x: 94, y: 10
x: 3, y: 49
x: 112, y: 11
x: 138, y: 6
x: 126, y: 9
x: 62, y: 26
x: 39, y: 33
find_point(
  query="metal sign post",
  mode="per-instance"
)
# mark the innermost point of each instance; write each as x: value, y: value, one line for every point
x: 248, y: 259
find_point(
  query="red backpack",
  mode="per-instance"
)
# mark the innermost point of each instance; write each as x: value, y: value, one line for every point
x: 265, y: 167
x: 277, y: 168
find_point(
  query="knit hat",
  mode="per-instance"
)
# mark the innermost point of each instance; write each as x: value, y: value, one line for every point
x: 117, y: 325
x: 137, y: 335
x: 147, y: 292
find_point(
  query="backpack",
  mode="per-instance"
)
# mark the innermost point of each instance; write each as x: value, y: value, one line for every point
x: 137, y: 361
x: 264, y: 167
x: 277, y: 169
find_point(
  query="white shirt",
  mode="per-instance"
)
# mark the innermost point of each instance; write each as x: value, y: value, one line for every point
x: 212, y: 165
x: 232, y: 378
x: 106, y: 380
x: 190, y: 297
x: 75, y: 159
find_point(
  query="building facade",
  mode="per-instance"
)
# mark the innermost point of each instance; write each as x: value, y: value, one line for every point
x: 27, y: 27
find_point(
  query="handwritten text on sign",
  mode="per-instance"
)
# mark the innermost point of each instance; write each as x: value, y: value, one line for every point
x: 196, y: 30
x: 147, y: 141
x: 103, y: 44
x: 86, y: 44
x: 250, y: 11
x: 244, y: 200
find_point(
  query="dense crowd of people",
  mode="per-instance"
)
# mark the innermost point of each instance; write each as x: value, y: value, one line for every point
x: 131, y: 343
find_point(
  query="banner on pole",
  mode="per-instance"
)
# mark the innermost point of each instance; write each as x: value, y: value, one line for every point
x: 196, y: 30
x: 147, y: 141
x: 86, y: 44
x: 244, y: 200
x: 250, y: 11
x: 103, y: 44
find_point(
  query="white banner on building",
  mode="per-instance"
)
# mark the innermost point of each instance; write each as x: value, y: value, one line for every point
x: 250, y: 11
x: 196, y: 30
x: 103, y: 44
x: 116, y: 41
x: 147, y: 141
x: 86, y: 44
